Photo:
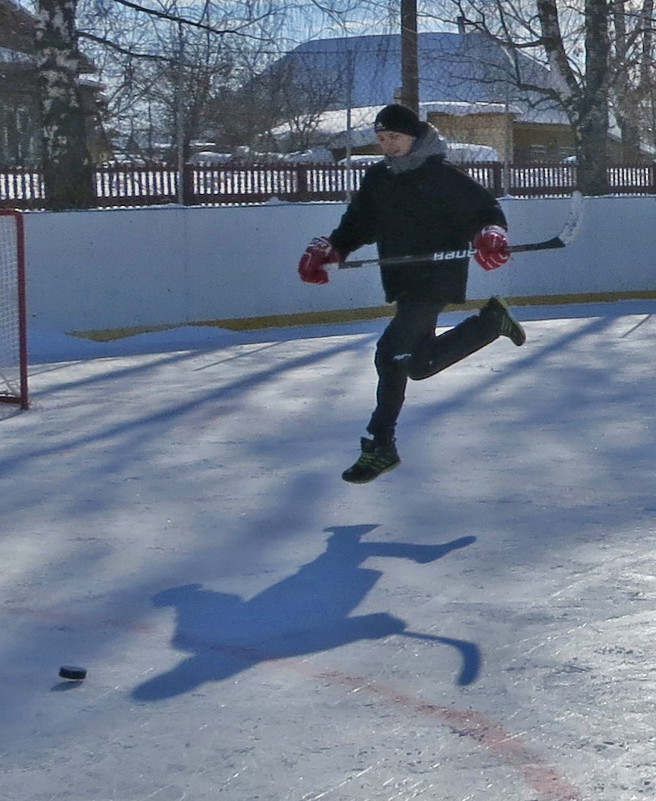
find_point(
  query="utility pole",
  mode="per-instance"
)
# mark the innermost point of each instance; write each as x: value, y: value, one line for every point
x: 180, y: 119
x: 409, y: 67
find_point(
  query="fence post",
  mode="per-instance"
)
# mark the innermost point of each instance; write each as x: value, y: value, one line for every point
x: 302, y: 182
x: 188, y: 194
x: 497, y: 180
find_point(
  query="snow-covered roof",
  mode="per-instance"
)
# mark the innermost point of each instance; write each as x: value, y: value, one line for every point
x: 467, y: 151
x: 332, y: 128
x: 453, y: 68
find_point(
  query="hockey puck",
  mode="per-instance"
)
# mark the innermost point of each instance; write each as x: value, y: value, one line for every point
x: 73, y: 673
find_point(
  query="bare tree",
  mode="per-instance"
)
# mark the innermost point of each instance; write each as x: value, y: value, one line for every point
x: 573, y: 40
x: 632, y: 61
x: 67, y: 168
x: 168, y: 65
x: 291, y: 92
x: 174, y: 61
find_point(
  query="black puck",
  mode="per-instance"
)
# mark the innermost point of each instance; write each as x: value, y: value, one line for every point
x: 72, y: 672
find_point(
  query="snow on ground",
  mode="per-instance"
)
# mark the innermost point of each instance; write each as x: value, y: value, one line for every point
x: 477, y: 625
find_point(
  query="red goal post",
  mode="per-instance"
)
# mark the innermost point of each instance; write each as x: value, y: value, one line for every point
x: 13, y: 311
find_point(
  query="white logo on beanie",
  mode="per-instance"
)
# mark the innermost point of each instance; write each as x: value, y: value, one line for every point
x: 399, y: 119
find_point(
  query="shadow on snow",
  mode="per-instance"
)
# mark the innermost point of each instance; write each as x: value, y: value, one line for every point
x: 305, y: 613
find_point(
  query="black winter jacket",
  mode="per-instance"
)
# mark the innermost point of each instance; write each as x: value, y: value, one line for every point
x: 432, y: 207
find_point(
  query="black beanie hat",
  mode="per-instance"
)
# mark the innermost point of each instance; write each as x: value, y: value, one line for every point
x: 399, y: 119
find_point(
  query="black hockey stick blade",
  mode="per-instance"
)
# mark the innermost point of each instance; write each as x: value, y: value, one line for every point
x: 566, y: 235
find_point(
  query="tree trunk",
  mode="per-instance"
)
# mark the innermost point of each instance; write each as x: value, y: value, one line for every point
x: 592, y: 120
x: 632, y: 62
x: 631, y: 142
x: 67, y: 167
x: 586, y: 101
x: 409, y: 65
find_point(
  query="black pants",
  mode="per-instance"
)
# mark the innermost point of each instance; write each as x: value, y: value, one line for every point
x: 409, y: 348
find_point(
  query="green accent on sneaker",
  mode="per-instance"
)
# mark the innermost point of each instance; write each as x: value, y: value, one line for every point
x: 374, y: 460
x: 497, y: 310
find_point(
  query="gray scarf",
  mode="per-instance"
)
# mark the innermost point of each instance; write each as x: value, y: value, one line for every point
x: 430, y: 143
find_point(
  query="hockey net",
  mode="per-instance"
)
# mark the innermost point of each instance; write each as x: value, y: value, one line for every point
x: 13, y: 322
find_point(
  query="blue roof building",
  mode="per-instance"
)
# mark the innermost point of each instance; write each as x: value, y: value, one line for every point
x: 473, y: 89
x: 465, y: 67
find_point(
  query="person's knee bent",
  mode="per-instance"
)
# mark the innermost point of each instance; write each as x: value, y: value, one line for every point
x: 387, y: 360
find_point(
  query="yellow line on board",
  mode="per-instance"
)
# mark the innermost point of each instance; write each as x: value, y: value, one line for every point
x: 353, y: 315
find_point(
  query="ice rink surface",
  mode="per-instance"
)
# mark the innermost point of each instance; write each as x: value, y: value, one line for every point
x: 476, y: 625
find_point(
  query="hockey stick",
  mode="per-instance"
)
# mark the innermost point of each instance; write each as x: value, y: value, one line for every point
x: 566, y: 235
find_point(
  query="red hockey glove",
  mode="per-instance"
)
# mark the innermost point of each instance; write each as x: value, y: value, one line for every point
x: 317, y: 254
x: 491, y: 246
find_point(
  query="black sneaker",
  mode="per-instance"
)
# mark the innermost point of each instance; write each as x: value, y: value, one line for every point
x: 375, y: 459
x: 498, y: 312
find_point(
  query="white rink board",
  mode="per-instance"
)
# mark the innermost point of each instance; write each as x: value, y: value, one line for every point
x: 106, y: 269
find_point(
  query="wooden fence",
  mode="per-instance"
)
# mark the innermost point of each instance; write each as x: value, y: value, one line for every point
x: 241, y: 183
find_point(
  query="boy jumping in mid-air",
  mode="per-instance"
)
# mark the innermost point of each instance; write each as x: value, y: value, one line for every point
x: 415, y: 202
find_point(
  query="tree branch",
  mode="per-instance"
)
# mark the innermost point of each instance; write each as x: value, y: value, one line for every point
x: 238, y: 31
x: 124, y: 50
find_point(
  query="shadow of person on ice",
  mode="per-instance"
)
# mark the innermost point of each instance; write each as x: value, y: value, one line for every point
x: 305, y: 613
